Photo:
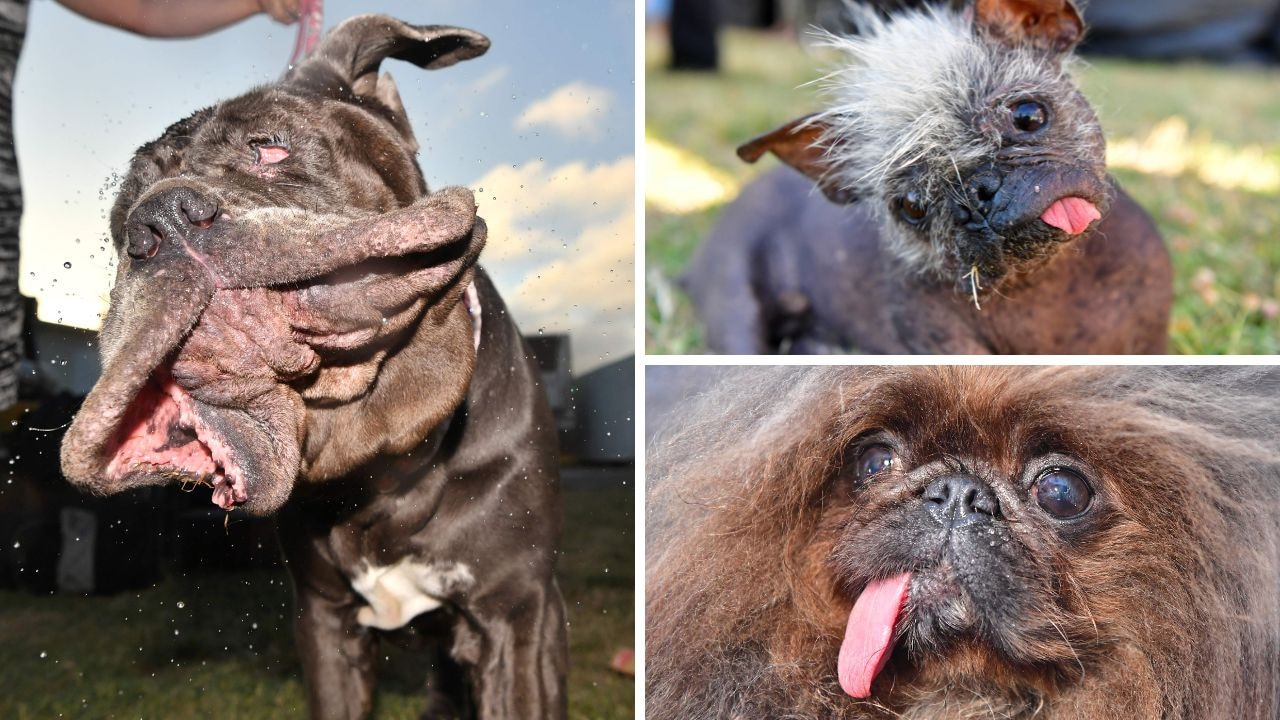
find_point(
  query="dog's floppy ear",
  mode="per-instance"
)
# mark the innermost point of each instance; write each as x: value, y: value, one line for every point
x: 346, y: 62
x: 354, y: 50
x: 1051, y: 25
x: 799, y: 144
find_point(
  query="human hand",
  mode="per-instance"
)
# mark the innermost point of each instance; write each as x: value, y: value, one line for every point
x: 282, y: 11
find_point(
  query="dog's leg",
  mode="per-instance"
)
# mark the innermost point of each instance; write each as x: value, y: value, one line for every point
x: 337, y: 653
x: 722, y: 285
x: 521, y: 655
x: 337, y: 658
x: 447, y: 687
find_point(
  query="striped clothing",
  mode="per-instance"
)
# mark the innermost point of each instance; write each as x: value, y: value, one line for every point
x: 13, y: 28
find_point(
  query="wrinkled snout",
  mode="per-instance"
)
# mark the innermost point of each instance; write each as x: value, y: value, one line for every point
x: 168, y: 219
x: 1009, y: 215
x: 1015, y: 200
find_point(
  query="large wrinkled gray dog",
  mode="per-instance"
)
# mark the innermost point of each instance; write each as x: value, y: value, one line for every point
x: 294, y: 307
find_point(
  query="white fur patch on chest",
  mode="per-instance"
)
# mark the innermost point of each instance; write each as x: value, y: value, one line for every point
x: 398, y: 593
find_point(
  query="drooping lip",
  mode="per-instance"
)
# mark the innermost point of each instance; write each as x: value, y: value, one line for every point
x: 163, y: 433
x: 135, y: 345
x: 141, y: 425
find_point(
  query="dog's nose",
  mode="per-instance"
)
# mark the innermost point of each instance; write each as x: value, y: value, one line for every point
x: 961, y: 499
x: 170, y: 217
x: 981, y: 189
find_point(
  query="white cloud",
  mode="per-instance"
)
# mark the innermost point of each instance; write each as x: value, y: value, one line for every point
x: 594, y: 274
x: 574, y: 110
x: 532, y: 208
x: 490, y: 79
x: 587, y: 292
x: 562, y: 249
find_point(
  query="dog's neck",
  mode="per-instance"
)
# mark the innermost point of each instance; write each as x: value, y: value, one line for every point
x: 433, y: 367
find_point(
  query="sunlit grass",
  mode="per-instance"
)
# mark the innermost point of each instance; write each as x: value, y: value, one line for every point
x: 681, y: 182
x: 1169, y: 150
x: 1198, y: 145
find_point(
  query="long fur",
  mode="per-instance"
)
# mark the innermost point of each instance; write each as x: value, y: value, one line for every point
x: 904, y: 109
x: 1167, y: 606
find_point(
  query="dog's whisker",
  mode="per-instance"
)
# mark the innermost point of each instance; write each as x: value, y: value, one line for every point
x: 1070, y: 647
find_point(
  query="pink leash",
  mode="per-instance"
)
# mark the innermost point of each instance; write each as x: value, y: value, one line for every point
x: 310, y: 27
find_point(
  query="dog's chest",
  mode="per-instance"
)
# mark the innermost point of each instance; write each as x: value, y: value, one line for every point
x: 381, y: 548
x: 400, y: 592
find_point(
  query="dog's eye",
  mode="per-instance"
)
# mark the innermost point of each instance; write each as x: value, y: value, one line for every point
x: 1029, y: 116
x: 269, y: 154
x: 874, y: 459
x: 911, y: 207
x: 1063, y: 493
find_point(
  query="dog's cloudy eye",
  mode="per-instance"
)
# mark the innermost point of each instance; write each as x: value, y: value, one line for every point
x: 911, y: 207
x: 874, y: 459
x: 270, y: 154
x: 1029, y: 115
x: 1063, y: 493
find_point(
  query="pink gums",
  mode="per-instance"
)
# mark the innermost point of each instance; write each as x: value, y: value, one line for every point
x: 162, y: 432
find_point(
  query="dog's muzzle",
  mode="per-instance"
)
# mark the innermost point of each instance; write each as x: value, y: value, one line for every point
x: 169, y: 219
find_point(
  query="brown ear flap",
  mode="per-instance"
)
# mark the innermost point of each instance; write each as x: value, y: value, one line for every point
x: 799, y: 144
x: 1052, y: 25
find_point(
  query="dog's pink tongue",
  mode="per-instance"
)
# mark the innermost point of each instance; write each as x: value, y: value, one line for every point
x: 1071, y: 215
x: 868, y: 638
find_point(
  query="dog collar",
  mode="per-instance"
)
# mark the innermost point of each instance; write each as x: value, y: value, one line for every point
x: 471, y: 299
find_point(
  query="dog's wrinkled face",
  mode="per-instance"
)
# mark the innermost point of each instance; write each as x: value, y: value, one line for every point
x: 958, y: 541
x: 277, y: 253
x: 1073, y: 542
x: 964, y: 133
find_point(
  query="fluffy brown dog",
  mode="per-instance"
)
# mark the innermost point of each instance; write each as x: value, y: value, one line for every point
x: 967, y: 542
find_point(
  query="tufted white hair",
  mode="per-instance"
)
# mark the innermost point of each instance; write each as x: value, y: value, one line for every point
x: 914, y: 103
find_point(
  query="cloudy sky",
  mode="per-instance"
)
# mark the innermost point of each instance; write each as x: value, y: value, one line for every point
x: 542, y: 127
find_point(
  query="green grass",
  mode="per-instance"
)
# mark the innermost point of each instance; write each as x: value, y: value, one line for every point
x: 1225, y: 239
x: 219, y: 645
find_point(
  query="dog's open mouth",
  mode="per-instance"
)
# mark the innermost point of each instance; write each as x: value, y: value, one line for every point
x: 162, y: 433
x: 154, y: 419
